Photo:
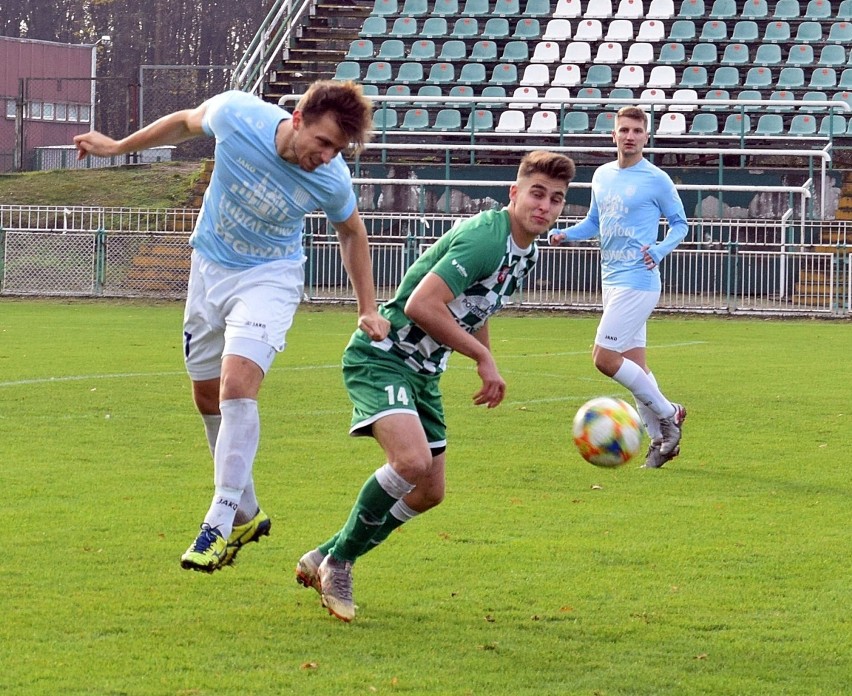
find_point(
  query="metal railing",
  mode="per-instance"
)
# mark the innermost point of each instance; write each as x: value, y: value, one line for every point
x: 766, y: 267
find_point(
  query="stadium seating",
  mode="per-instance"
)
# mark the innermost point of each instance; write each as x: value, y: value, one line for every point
x: 770, y: 125
x: 749, y: 94
x: 441, y: 74
x: 802, y: 125
x: 511, y: 121
x: 704, y: 123
x: 578, y: 52
x: 559, y: 94
x: 604, y: 123
x: 495, y: 28
x: 415, y: 8
x: 600, y: 9
x: 507, y: 8
x: 840, y: 32
x: 566, y: 75
x: 515, y: 52
x: 673, y: 123
x: 423, y: 50
x: 682, y: 30
x: 453, y: 50
x: 691, y: 8
x: 567, y: 9
x: 475, y: 8
x: 601, y: 75
x: 737, y: 124
x: 715, y: 95
x: 813, y: 97
x: 777, y: 32
x: 383, y: 8
x: 589, y: 30
x: 445, y: 8
x: 609, y: 53
x: 640, y: 53
x: 403, y: 27
x: 781, y: 97
x: 465, y: 28
x: 434, y: 28
x: 723, y: 9
x: 662, y: 76
x: 391, y: 49
x: 591, y: 93
x: 651, y: 30
x: 536, y: 8
x: 630, y: 9
x: 480, y: 120
x: 507, y: 74
x: 348, y: 70
x: 725, y: 77
x: 374, y: 27
x: 755, y: 9
x: 557, y: 30
x: 844, y: 11
x: 575, y: 122
x: 619, y: 30
x: 524, y: 93
x: 483, y: 51
x: 379, y: 71
x: 832, y: 55
x: 687, y: 95
x: 823, y: 78
x: 360, y: 49
x: 693, y: 77
x: 546, y: 52
x: 818, y: 9
x: 385, y: 118
x: 543, y: 122
x: 660, y: 9
x: 630, y: 76
x: 768, y: 55
x: 758, y: 77
x: 704, y: 54
x: 745, y: 31
x: 415, y: 119
x: 800, y: 54
x: 410, y: 73
x: 735, y: 54
x: 832, y: 125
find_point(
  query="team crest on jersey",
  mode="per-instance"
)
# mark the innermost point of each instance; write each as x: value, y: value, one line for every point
x: 501, y: 276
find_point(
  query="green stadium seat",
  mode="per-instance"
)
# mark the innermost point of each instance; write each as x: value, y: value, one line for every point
x: 415, y: 8
x: 599, y: 76
x: 770, y: 125
x: 604, y: 123
x: 391, y: 49
x: 682, y: 30
x: 471, y: 74
x: 692, y: 9
x: 403, y: 91
x: 515, y: 52
x: 445, y: 8
x: 844, y: 11
x: 823, y: 78
x: 800, y: 54
x: 348, y: 70
x: 786, y: 9
x: 845, y: 96
x: 447, y: 120
x: 434, y: 28
x: 791, y: 78
x: 374, y: 27
x: 465, y: 28
x: 704, y: 123
x: 745, y: 31
x: 777, y: 32
x: 385, y: 118
x: 755, y: 9
x: 575, y: 122
x: 453, y: 50
x: 379, y: 71
x: 495, y: 28
x: 612, y: 101
x: 672, y: 53
x: 403, y: 28
x: 506, y: 74
x: 802, y: 125
x: 813, y: 96
x: 410, y: 72
x: 758, y: 77
x: 422, y: 50
x: 370, y: 90
x: 735, y: 54
x: 781, y: 97
x: 840, y: 33
x: 483, y: 51
x: 493, y: 91
x: 475, y: 8
x: 818, y: 9
x: 415, y: 119
x: 716, y: 95
x: 527, y: 28
x: 725, y: 77
x: 383, y: 8
x: 537, y: 8
x: 704, y: 54
x: 845, y: 81
x: 737, y: 124
x: 480, y: 120
x: 768, y: 55
x: 809, y: 32
x: 506, y: 8
x: 693, y: 77
x: 428, y: 91
x: 593, y: 93
x: 723, y: 9
x: 832, y: 55
x: 461, y: 91
x: 713, y: 31
x: 750, y: 94
x: 360, y: 49
x: 441, y: 74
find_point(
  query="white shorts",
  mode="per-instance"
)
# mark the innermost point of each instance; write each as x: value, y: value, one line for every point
x: 244, y: 312
x: 625, y: 313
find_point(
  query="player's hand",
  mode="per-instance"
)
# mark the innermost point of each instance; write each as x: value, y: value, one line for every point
x: 374, y: 325
x: 94, y: 143
x: 650, y: 264
x: 557, y: 238
x: 493, y: 388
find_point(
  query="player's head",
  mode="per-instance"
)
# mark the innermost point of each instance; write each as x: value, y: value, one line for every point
x: 630, y: 133
x: 344, y: 102
x: 537, y: 197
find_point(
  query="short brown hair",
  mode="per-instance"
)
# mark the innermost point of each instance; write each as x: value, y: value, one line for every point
x: 634, y: 112
x: 550, y: 164
x: 346, y: 101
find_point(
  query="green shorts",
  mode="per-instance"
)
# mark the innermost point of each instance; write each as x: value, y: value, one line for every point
x: 380, y: 384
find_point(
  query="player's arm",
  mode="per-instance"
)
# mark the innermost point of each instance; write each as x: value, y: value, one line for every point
x: 427, y: 307
x: 168, y: 130
x: 355, y: 251
x: 671, y: 207
x: 587, y: 228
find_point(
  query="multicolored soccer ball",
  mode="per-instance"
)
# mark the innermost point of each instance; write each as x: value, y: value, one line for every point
x: 607, y: 431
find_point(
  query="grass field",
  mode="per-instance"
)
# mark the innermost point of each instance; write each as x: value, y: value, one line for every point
x: 725, y: 572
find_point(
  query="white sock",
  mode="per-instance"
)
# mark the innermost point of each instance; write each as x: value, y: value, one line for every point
x: 649, y: 418
x: 233, y: 459
x: 644, y: 390
x: 248, y: 504
x: 212, y: 424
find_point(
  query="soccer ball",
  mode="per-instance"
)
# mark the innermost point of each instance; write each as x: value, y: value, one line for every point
x: 607, y: 431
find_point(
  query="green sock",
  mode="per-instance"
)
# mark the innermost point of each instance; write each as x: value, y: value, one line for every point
x: 382, y: 533
x: 366, y: 518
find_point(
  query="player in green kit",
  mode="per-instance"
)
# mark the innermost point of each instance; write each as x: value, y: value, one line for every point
x: 442, y: 305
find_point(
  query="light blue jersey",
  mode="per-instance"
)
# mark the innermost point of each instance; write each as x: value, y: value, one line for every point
x: 625, y: 213
x: 254, y: 208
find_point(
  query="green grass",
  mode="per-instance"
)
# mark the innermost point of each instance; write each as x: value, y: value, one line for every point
x: 725, y: 572
x: 160, y: 185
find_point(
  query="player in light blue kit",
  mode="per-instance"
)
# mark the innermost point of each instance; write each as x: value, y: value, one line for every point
x: 247, y: 272
x: 629, y: 196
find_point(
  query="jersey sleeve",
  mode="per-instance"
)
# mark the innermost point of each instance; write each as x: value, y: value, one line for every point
x: 671, y: 207
x: 472, y: 256
x: 340, y: 202
x: 212, y: 121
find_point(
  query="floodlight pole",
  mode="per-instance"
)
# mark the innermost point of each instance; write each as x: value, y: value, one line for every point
x: 105, y: 40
